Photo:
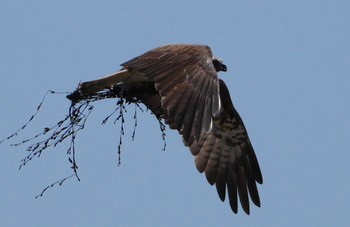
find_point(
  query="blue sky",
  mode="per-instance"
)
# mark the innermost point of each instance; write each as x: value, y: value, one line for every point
x: 288, y: 73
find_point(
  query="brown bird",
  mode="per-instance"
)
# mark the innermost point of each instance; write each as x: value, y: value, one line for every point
x: 179, y: 84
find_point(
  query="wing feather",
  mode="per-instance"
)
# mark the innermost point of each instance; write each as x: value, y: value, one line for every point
x: 252, y: 189
x: 226, y: 156
x: 182, y: 68
x: 232, y: 191
x: 206, y: 145
x: 242, y: 188
x: 222, y: 173
x: 189, y: 116
x: 212, y: 167
x: 181, y: 108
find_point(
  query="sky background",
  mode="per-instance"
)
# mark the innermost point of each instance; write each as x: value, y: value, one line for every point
x: 288, y: 74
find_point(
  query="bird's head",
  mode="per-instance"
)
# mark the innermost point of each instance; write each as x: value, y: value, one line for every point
x: 219, y: 65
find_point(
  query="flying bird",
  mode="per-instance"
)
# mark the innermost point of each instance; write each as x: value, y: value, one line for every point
x: 179, y: 83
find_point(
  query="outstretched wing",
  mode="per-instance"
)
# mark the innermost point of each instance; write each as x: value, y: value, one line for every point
x: 227, y: 157
x: 187, y: 83
x: 188, y: 94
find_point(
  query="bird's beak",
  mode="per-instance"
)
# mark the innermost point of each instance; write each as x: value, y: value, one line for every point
x: 223, y: 68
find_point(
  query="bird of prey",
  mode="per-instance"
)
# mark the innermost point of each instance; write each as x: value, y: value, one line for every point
x: 179, y: 83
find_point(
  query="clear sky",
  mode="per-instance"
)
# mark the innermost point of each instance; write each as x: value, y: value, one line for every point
x: 288, y: 73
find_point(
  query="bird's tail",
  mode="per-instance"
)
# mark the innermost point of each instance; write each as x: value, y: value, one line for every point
x: 91, y: 88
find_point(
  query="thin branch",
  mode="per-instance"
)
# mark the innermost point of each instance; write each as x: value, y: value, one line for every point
x: 59, y: 182
x: 30, y: 119
x: 79, y: 111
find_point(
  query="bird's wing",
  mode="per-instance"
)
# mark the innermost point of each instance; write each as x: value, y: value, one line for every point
x: 198, y: 105
x: 227, y: 157
x: 187, y: 82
